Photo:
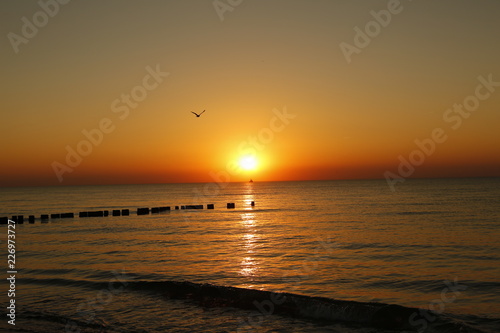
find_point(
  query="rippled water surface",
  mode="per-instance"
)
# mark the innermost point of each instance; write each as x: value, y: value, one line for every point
x: 346, y: 240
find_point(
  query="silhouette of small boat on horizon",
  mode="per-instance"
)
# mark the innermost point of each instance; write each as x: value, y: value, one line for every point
x: 251, y: 181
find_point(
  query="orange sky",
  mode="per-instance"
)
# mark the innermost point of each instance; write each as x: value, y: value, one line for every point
x: 279, y: 80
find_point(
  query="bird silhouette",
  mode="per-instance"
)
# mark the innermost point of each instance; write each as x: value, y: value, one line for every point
x: 198, y: 115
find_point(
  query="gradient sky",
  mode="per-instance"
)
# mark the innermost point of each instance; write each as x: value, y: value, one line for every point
x: 245, y: 63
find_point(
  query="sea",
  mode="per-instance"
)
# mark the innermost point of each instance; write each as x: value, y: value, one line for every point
x: 306, y: 256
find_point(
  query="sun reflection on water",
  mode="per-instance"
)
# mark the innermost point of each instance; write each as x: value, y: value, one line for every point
x: 248, y: 196
x: 249, y: 266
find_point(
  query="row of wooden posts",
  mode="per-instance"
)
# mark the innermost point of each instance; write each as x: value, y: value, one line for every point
x: 114, y: 212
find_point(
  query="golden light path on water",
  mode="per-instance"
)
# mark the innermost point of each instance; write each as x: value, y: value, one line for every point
x: 249, y: 264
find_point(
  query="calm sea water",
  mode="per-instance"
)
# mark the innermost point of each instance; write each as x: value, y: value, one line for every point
x: 433, y: 244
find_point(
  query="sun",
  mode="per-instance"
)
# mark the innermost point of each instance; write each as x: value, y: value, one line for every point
x: 248, y: 163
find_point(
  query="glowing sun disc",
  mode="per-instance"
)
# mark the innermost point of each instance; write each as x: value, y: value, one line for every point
x: 248, y: 163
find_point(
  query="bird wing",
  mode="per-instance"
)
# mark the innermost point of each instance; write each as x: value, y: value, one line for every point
x: 202, y: 112
x: 194, y: 113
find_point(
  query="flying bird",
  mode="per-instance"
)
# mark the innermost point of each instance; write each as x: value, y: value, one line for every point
x: 198, y: 115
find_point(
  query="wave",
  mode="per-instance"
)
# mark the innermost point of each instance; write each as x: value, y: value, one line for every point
x: 373, y: 314
x: 370, y: 314
x: 420, y: 212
